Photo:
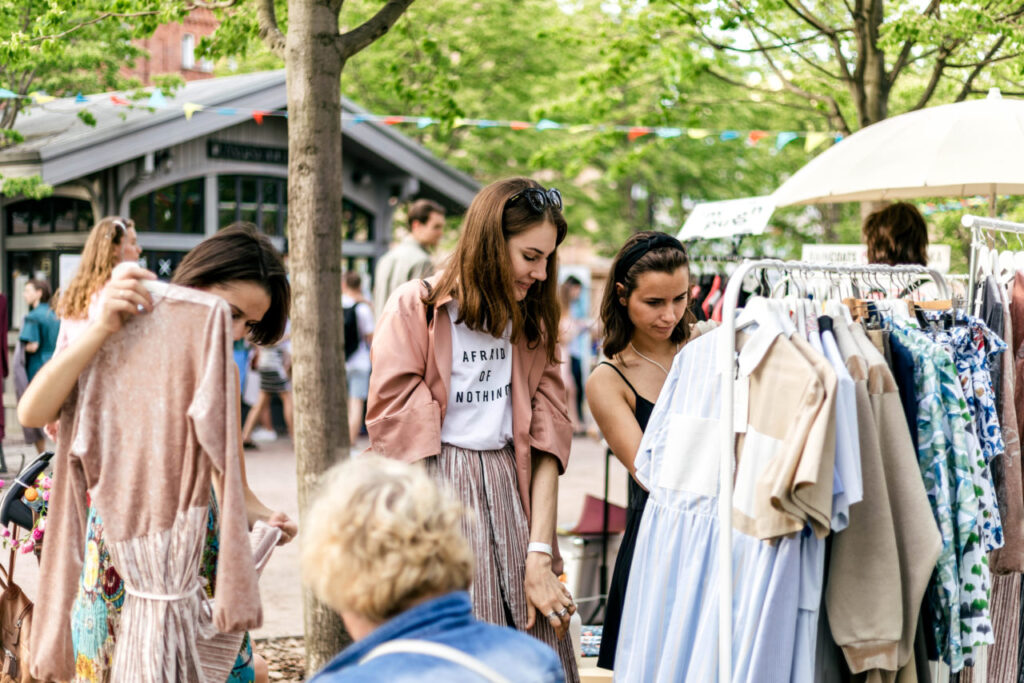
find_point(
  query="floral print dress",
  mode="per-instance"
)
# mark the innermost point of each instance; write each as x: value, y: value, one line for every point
x: 96, y: 613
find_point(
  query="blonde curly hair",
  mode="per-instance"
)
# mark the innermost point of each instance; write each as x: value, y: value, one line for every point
x: 380, y: 536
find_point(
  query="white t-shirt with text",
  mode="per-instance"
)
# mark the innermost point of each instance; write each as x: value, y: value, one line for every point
x: 479, y: 413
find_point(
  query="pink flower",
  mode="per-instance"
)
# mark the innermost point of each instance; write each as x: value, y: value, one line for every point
x: 28, y: 547
x: 37, y: 534
x: 6, y: 533
x: 2, y: 483
x: 46, y: 496
x: 42, y: 524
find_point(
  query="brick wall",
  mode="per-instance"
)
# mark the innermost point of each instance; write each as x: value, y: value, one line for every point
x: 165, y: 49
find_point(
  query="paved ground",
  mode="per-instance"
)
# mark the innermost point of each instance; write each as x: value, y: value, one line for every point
x: 271, y: 471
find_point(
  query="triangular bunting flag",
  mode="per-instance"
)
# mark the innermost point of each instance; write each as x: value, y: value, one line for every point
x: 547, y: 124
x: 157, y: 100
x: 81, y: 99
x: 227, y: 111
x: 119, y: 101
x: 191, y: 108
x: 815, y: 140
x: 41, y: 98
x: 637, y: 132
x: 392, y: 120
x: 257, y: 116
x: 756, y: 136
x: 520, y: 125
x: 486, y: 123
x: 6, y: 94
x: 728, y: 135
x: 698, y: 133
x: 668, y: 132
x: 424, y: 121
x: 784, y: 139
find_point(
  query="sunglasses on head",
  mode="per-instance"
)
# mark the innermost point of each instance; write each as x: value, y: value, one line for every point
x: 539, y: 199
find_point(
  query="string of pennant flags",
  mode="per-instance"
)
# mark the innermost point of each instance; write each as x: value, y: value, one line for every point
x: 157, y: 100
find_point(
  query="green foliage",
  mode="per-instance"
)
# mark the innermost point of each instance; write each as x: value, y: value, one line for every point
x: 31, y: 187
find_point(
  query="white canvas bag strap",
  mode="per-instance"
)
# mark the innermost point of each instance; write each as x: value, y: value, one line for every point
x: 432, y: 649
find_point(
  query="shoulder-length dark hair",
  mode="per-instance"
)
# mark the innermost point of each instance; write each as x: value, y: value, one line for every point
x: 479, y: 274
x: 618, y: 327
x: 241, y: 253
x: 897, y: 234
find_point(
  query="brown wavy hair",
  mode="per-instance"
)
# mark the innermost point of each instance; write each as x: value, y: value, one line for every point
x: 241, y: 253
x: 618, y: 328
x: 99, y: 257
x: 897, y: 235
x: 479, y: 274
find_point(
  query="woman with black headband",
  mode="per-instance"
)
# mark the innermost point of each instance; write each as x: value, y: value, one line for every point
x: 646, y: 320
x: 466, y: 378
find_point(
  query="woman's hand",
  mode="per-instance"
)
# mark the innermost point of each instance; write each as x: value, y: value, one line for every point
x: 546, y: 596
x: 123, y: 296
x: 285, y: 524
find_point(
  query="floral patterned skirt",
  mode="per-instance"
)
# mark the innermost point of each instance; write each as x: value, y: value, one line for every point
x: 96, y: 613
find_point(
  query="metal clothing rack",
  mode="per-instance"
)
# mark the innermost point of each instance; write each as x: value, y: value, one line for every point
x: 979, y: 225
x: 727, y: 463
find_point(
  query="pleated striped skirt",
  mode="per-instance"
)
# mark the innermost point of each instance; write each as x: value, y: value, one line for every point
x: 485, y: 482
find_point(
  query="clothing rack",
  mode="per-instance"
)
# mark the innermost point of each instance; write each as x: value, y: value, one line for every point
x: 727, y: 463
x: 979, y: 225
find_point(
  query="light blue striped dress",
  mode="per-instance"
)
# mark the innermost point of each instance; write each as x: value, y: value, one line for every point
x: 669, y: 627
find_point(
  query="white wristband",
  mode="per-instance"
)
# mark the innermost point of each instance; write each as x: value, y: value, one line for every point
x: 536, y: 547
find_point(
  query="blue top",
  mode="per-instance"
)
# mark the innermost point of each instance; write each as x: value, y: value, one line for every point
x: 447, y: 620
x: 42, y: 326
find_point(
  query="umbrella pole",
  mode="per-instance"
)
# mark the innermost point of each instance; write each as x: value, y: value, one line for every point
x: 992, y: 203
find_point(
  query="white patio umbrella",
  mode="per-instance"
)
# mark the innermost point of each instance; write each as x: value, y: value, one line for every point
x: 962, y: 149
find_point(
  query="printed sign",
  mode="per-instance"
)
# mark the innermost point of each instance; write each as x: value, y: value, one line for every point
x: 732, y: 217
x: 857, y: 255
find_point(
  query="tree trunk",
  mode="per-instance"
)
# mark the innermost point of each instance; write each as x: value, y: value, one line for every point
x: 314, y: 227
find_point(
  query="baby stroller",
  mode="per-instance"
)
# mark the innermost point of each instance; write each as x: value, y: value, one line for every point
x: 12, y: 507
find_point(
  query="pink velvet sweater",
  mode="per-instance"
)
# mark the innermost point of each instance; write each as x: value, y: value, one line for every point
x: 168, y: 377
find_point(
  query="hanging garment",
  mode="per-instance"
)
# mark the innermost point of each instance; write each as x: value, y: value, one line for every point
x: 948, y: 457
x: 150, y: 479
x: 678, y: 463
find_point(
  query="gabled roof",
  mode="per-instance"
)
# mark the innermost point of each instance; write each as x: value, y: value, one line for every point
x: 60, y: 147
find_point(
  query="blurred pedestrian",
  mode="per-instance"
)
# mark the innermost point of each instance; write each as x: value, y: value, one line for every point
x: 113, y: 240
x: 358, y: 336
x: 273, y: 362
x: 571, y: 331
x: 897, y: 234
x: 383, y: 548
x: 410, y: 258
x: 466, y: 376
x: 38, y: 334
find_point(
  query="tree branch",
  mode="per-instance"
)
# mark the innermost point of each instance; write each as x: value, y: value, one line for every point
x: 268, y: 30
x: 373, y: 28
x: 798, y: 8
x: 127, y: 15
x: 901, y: 61
x: 747, y: 50
x: 933, y: 82
x: 969, y: 83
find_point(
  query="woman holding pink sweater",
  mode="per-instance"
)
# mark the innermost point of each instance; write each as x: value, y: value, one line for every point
x: 466, y: 378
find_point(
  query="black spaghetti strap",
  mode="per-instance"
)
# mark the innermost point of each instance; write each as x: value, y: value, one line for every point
x: 635, y: 393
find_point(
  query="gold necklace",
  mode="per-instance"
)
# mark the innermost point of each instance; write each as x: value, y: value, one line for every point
x: 651, y: 360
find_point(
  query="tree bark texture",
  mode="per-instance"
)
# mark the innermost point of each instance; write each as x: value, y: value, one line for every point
x: 314, y: 68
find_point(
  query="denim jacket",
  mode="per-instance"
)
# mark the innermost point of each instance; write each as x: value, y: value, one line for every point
x: 447, y: 620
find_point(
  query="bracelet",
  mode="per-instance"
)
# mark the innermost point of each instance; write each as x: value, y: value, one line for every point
x: 536, y: 547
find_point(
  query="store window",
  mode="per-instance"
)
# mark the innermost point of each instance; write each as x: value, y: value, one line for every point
x: 358, y: 222
x: 188, y: 51
x: 53, y: 214
x: 175, y: 208
x: 23, y: 266
x: 163, y: 263
x: 261, y: 200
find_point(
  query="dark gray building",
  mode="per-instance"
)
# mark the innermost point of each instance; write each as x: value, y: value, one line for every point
x: 180, y: 178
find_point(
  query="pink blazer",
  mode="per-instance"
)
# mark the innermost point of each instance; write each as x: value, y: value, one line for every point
x: 412, y: 366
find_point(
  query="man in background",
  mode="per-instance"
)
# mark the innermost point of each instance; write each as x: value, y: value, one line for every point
x: 410, y: 258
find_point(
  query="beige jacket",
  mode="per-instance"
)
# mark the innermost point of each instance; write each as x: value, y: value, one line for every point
x: 412, y: 366
x: 405, y: 261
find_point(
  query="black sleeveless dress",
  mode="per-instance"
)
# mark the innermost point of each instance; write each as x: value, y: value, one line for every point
x: 620, y: 576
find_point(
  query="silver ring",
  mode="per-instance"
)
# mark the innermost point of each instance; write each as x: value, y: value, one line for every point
x: 552, y: 615
x: 563, y: 612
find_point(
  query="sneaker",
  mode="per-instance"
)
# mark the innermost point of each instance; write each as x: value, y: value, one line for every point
x: 263, y: 435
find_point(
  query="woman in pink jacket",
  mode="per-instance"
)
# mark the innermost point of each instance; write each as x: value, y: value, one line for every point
x: 466, y: 377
